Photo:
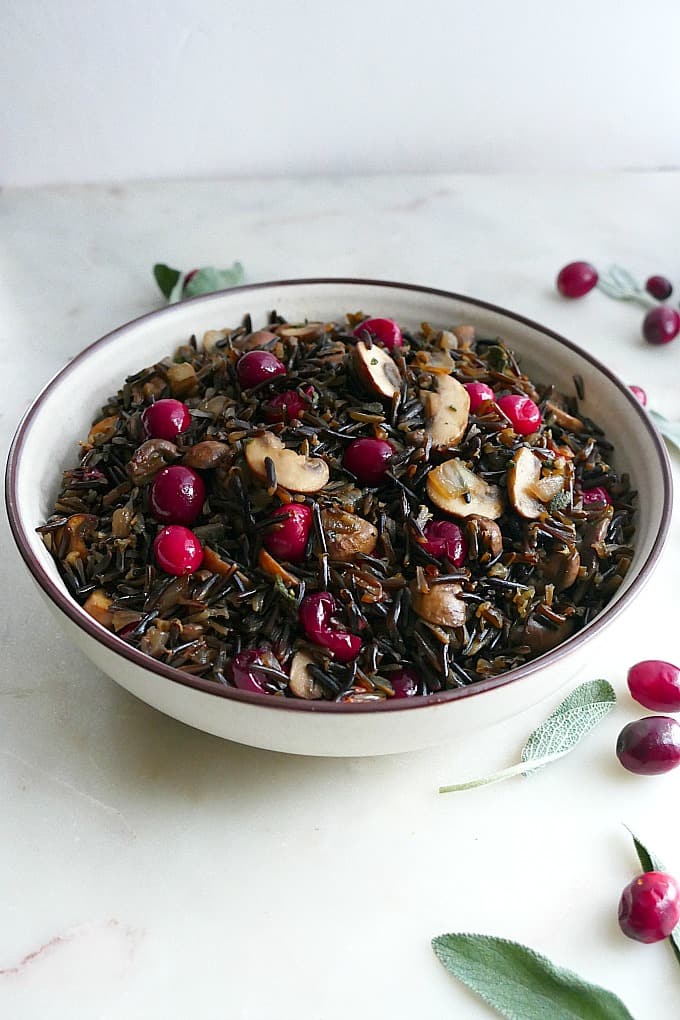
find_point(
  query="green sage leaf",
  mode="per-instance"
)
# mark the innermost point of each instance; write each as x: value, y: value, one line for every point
x: 650, y: 862
x: 521, y: 984
x: 669, y: 429
x: 208, y: 279
x: 166, y: 278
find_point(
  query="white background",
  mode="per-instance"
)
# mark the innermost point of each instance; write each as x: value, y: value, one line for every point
x: 101, y: 91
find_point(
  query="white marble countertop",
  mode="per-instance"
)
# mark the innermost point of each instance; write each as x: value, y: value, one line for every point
x: 148, y: 870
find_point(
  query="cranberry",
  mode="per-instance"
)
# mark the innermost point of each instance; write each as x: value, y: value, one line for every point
x: 316, y: 612
x: 639, y: 393
x: 368, y: 459
x: 661, y: 325
x: 257, y: 367
x: 479, y: 392
x: 177, y: 550
x: 385, y: 331
x: 659, y: 287
x: 444, y: 538
x: 287, y: 405
x: 287, y: 539
x: 177, y: 495
x: 244, y: 671
x: 656, y: 685
x: 166, y: 419
x: 650, y: 746
x: 189, y: 277
x: 524, y: 415
x: 649, y: 908
x: 596, y: 495
x: 576, y: 279
x: 405, y: 683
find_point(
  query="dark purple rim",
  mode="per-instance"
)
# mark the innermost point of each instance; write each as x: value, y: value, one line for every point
x: 74, y: 612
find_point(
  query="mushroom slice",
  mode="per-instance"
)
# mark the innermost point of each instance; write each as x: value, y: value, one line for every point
x: 440, y: 605
x: 301, y: 684
x: 98, y: 605
x: 448, y: 408
x: 484, y: 536
x: 527, y: 490
x: 377, y: 371
x: 348, y: 535
x: 457, y: 490
x: 294, y: 471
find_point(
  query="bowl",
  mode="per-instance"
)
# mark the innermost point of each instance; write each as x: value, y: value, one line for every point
x: 40, y: 452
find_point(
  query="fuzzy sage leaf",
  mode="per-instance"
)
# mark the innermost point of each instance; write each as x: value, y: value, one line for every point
x: 668, y: 429
x: 520, y: 984
x: 650, y: 862
x: 175, y: 286
x: 166, y: 278
x: 573, y: 718
x: 619, y: 284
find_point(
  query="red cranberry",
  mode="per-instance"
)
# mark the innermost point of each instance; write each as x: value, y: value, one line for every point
x: 287, y: 539
x: 656, y: 685
x: 166, y: 419
x: 650, y: 746
x: 287, y: 405
x: 444, y: 538
x: 177, y: 495
x: 659, y: 287
x: 524, y: 415
x: 405, y: 683
x: 316, y: 613
x: 576, y: 279
x: 385, y: 331
x: 479, y: 392
x: 177, y: 550
x: 257, y: 367
x: 661, y: 325
x: 189, y: 277
x: 244, y: 671
x: 649, y: 908
x: 595, y: 495
x: 639, y: 393
x: 368, y: 460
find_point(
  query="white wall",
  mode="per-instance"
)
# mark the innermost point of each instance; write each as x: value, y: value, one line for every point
x: 112, y: 89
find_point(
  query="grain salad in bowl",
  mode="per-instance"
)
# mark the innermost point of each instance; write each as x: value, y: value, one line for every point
x: 348, y: 511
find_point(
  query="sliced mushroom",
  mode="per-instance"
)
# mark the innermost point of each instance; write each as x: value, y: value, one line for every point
x: 448, y: 409
x: 253, y: 341
x: 563, y: 418
x: 377, y: 371
x: 594, y: 534
x: 562, y: 566
x: 440, y: 605
x: 436, y: 362
x: 465, y: 335
x: 301, y: 684
x: 294, y: 471
x: 305, y: 331
x: 484, y: 536
x: 98, y: 605
x: 182, y: 380
x: 103, y: 430
x: 541, y: 637
x: 213, y: 337
x: 348, y: 535
x: 150, y: 458
x: 207, y: 454
x: 121, y: 521
x: 527, y: 490
x: 459, y: 491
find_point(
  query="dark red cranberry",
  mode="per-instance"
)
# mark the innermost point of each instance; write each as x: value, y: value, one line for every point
x: 444, y: 538
x: 597, y: 495
x: 405, y: 683
x: 385, y: 331
x: 189, y: 277
x: 650, y: 746
x: 656, y: 685
x: 166, y: 419
x: 649, y: 908
x: 257, y: 367
x: 177, y: 550
x: 576, y: 279
x: 316, y: 612
x: 659, y: 287
x: 639, y: 393
x: 287, y: 405
x: 287, y: 538
x: 524, y: 415
x: 244, y: 671
x: 661, y: 325
x: 479, y: 393
x: 368, y: 460
x: 177, y: 495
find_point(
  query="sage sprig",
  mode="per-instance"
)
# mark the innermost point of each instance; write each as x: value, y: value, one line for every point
x: 619, y: 284
x: 520, y: 984
x: 176, y: 286
x: 649, y: 862
x: 669, y: 429
x: 564, y: 728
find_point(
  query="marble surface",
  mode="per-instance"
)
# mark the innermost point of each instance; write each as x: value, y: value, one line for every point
x: 148, y: 870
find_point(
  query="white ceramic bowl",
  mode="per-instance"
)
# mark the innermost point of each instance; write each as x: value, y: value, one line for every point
x: 40, y: 453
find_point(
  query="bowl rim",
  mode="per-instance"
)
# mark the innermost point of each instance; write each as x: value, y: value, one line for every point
x: 112, y: 642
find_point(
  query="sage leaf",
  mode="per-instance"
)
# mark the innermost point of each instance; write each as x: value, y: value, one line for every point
x: 520, y: 984
x: 669, y: 429
x: 208, y: 279
x: 650, y: 862
x: 573, y: 718
x: 618, y: 283
x: 166, y: 278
